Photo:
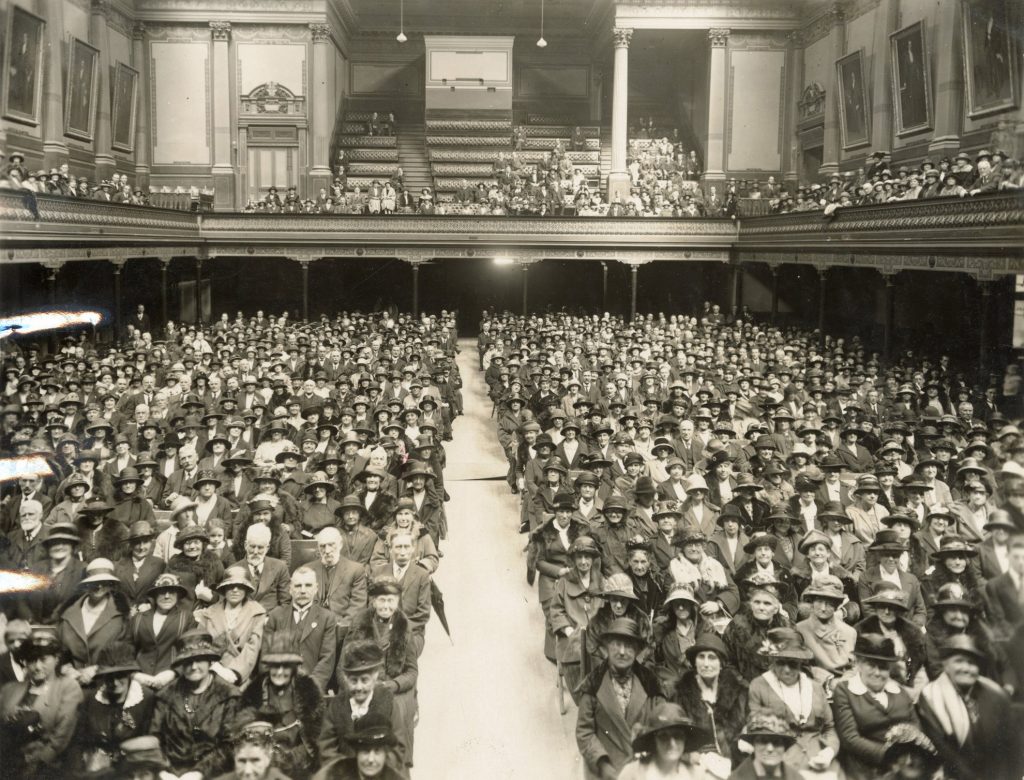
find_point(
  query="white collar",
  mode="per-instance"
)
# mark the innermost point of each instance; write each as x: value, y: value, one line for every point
x: 134, y: 696
x: 858, y: 688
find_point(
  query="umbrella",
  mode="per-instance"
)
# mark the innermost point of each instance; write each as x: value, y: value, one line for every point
x: 437, y: 602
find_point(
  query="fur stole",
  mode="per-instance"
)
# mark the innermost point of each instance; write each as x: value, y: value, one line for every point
x: 648, y: 680
x: 306, y: 697
x: 398, y: 643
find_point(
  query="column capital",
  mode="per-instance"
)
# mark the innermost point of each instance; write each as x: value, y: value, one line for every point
x: 118, y: 263
x: 304, y: 260
x: 320, y: 31
x: 795, y: 39
x: 138, y: 31
x: 719, y: 37
x: 221, y: 31
x: 822, y: 272
x: 165, y: 262
x: 52, y: 268
x: 99, y: 7
x: 621, y: 37
x: 834, y: 16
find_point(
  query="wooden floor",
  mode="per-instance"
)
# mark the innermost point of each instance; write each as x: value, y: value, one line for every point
x: 488, y: 701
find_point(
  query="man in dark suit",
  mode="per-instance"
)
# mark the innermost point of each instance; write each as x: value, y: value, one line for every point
x: 888, y: 548
x: 414, y: 580
x: 141, y: 320
x: 341, y: 583
x: 29, y: 489
x: 270, y: 575
x: 1005, y: 594
x: 305, y: 627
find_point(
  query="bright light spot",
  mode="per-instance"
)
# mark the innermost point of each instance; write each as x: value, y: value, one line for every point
x: 502, y: 260
x: 21, y: 581
x: 47, y: 320
x: 27, y: 466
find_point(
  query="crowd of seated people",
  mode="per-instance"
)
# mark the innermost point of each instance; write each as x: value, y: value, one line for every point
x: 237, y: 534
x: 881, y: 182
x: 728, y: 523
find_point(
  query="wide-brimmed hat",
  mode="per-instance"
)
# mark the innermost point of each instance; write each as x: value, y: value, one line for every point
x: 350, y: 502
x: 116, y: 658
x: 194, y: 645
x: 681, y: 591
x: 1000, y: 520
x: 584, y: 545
x: 707, y: 643
x: 129, y: 474
x: 867, y: 483
x: 767, y: 725
x: 143, y: 753
x: 833, y: 510
x: 762, y: 539
x: 666, y: 509
x: 827, y: 587
x: 280, y: 650
x: 963, y: 644
x: 95, y: 506
x: 622, y: 628
x: 206, y: 476
x: 189, y: 533
x: 887, y: 595
x: 786, y: 644
x: 179, y: 505
x: 168, y: 581
x: 888, y: 541
x: 668, y: 716
x: 954, y: 546
x: 905, y: 738
x: 62, y: 532
x: 901, y: 515
x: 100, y: 571
x: 374, y: 731
x: 555, y: 464
x: 952, y: 594
x: 140, y: 529
x: 361, y: 655
x: 618, y: 585
x: 876, y: 647
x: 236, y: 576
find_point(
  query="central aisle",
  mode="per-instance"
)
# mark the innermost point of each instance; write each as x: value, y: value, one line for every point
x: 488, y: 701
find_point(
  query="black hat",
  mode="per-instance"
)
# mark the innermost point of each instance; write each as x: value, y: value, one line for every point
x: 876, y: 647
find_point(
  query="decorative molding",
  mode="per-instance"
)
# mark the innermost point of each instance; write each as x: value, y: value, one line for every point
x: 719, y: 37
x: 812, y: 102
x: 621, y: 37
x: 272, y: 98
x: 320, y: 32
x: 270, y: 33
x: 118, y: 21
x: 857, y: 8
x: 221, y: 31
x: 139, y: 31
x: 755, y: 41
x: 821, y: 25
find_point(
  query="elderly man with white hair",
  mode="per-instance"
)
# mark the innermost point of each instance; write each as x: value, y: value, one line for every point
x: 269, y: 575
x: 341, y: 583
x: 24, y: 545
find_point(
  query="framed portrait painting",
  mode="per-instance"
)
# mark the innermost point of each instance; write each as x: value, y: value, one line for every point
x: 80, y: 90
x: 854, y: 117
x: 990, y: 70
x: 23, y: 66
x: 126, y: 85
x: 911, y: 80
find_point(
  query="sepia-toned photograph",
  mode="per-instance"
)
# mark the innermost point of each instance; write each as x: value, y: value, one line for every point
x: 23, y: 65
x: 512, y: 390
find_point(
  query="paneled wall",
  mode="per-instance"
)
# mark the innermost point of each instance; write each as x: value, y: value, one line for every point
x: 756, y: 92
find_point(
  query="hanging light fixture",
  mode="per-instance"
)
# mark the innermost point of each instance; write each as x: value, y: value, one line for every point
x: 401, y: 37
x: 541, y: 43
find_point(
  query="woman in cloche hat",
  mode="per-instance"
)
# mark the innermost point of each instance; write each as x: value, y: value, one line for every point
x: 235, y: 623
x: 665, y: 744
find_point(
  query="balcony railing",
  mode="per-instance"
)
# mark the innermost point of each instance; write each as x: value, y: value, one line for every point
x: 987, y: 224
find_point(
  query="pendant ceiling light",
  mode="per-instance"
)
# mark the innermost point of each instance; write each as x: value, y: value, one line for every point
x: 541, y: 43
x: 401, y: 37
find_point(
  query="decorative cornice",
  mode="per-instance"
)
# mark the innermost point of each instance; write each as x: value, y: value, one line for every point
x: 221, y: 31
x: 719, y: 37
x: 320, y: 32
x: 621, y: 37
x: 822, y: 25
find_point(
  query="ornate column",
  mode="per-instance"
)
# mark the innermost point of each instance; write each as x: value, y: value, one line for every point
x: 165, y: 265
x: 604, y: 285
x: 415, y: 261
x: 199, y: 290
x: 99, y: 36
x: 882, y: 118
x: 837, y: 47
x: 737, y: 289
x: 949, y: 80
x: 118, y: 265
x: 634, y: 264
x: 140, y: 60
x: 304, y: 263
x: 889, y: 306
x: 822, y: 302
x: 223, y: 171
x: 319, y: 106
x: 714, y: 166
x: 794, y: 90
x: 984, y: 296
x: 55, y: 150
x: 618, y: 178
x: 774, y: 269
